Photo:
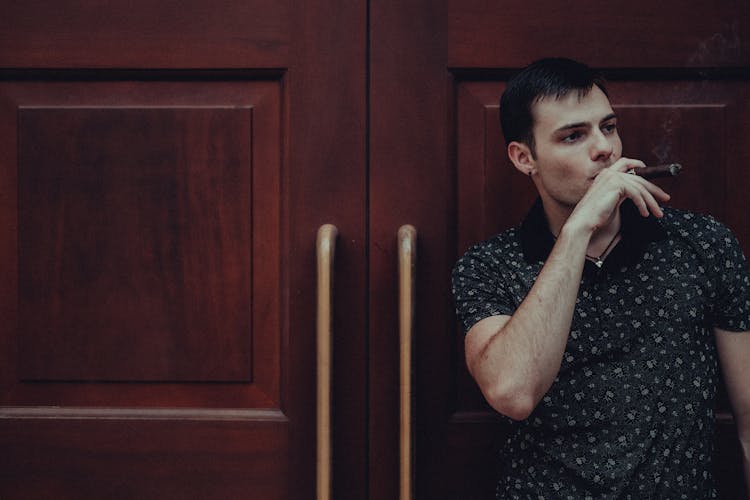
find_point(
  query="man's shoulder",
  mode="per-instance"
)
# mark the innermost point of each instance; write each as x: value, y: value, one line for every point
x: 504, y: 250
x: 501, y: 243
x: 702, y: 232
x: 688, y: 223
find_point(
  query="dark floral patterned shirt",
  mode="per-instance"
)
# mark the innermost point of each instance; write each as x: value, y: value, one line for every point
x: 630, y: 414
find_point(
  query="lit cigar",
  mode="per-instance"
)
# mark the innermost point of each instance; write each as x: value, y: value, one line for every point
x: 657, y: 171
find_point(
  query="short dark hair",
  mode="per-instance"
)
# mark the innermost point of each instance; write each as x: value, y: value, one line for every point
x: 550, y: 77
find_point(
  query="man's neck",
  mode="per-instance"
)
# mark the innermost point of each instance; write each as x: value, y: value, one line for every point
x: 600, y: 239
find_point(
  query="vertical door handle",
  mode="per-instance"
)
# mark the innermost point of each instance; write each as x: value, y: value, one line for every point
x: 407, y: 250
x: 325, y: 250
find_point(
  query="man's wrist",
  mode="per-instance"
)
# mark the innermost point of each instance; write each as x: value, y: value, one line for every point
x: 574, y: 231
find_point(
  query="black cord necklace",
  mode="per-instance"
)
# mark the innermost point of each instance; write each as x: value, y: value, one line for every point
x: 599, y: 261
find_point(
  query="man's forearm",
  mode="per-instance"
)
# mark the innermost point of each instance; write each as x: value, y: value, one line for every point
x: 519, y: 361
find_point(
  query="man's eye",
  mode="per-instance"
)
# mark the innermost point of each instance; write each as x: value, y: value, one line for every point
x: 609, y: 127
x: 572, y: 137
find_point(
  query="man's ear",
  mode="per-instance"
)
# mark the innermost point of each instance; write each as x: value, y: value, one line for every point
x: 520, y: 154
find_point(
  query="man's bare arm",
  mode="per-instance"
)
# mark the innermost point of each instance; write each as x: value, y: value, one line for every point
x: 734, y: 354
x: 515, y: 359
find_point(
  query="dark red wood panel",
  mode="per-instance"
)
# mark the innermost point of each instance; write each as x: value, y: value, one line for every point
x: 135, y: 34
x: 278, y: 90
x: 225, y: 134
x: 147, y: 229
x: 135, y: 244
x: 143, y: 456
x: 670, y: 34
x: 411, y: 182
x: 327, y: 184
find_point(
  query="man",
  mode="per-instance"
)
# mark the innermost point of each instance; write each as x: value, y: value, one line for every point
x: 597, y: 324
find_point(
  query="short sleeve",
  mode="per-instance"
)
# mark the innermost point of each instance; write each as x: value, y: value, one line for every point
x: 731, y: 306
x: 479, y: 288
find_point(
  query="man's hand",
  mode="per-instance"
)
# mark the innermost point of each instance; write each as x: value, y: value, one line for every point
x: 609, y: 189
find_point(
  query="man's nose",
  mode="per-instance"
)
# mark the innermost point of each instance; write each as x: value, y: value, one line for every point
x: 602, y: 147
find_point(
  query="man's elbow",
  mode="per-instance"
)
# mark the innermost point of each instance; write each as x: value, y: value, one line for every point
x: 516, y: 403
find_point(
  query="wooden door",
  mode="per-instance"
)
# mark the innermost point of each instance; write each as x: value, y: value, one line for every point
x: 679, y: 80
x: 165, y: 167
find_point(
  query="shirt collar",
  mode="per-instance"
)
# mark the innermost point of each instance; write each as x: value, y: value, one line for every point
x: 637, y: 232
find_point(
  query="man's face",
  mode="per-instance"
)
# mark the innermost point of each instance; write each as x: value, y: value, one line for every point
x: 575, y: 139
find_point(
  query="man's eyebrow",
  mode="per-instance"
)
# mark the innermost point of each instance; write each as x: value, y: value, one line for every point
x: 575, y: 125
x: 570, y: 126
